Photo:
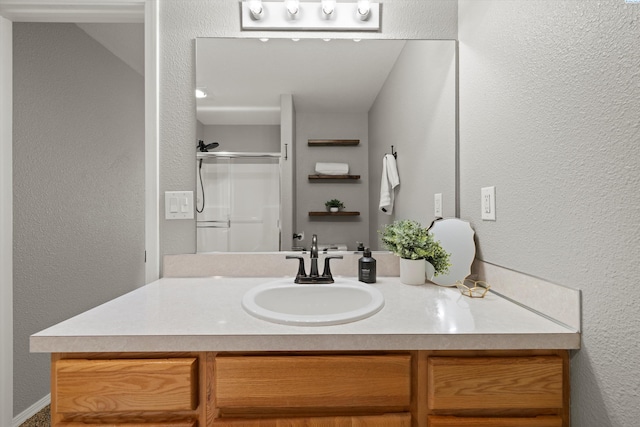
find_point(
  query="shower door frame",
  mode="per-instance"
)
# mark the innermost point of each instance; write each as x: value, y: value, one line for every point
x: 247, y: 155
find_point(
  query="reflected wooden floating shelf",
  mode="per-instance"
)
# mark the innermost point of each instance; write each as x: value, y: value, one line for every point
x: 339, y: 213
x: 334, y: 177
x: 332, y: 142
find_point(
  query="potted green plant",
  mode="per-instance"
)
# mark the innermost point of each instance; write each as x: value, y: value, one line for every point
x: 333, y: 205
x: 417, y: 249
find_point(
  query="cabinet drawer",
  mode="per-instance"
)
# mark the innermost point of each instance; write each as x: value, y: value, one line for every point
x: 494, y: 382
x: 435, y: 421
x: 313, y: 381
x: 83, y: 386
x: 389, y: 420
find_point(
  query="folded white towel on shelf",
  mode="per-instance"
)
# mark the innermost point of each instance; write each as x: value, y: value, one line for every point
x: 390, y: 180
x: 332, y: 168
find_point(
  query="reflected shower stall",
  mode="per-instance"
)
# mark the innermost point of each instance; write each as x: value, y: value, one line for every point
x: 238, y: 202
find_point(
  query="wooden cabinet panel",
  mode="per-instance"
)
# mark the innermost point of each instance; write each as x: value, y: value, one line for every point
x: 85, y: 386
x: 335, y: 381
x: 435, y: 421
x: 123, y: 424
x: 389, y: 420
x: 494, y: 382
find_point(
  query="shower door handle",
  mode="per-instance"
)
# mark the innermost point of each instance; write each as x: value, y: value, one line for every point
x: 214, y: 224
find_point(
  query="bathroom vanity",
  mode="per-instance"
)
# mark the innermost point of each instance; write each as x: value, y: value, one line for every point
x: 183, y: 352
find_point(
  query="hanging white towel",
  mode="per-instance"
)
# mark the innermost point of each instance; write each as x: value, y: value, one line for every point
x: 390, y: 180
x: 332, y: 168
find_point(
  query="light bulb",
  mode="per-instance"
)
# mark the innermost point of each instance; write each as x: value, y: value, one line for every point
x: 328, y: 7
x: 255, y: 7
x: 292, y: 6
x: 364, y: 9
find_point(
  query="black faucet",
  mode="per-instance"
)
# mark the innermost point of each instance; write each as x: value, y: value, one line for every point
x: 314, y: 277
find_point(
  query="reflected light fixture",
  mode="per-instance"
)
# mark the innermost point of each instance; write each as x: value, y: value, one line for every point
x: 256, y: 9
x: 201, y: 92
x: 311, y: 15
x: 364, y: 9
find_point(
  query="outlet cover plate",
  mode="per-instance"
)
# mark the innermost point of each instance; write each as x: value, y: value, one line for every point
x: 437, y: 205
x: 488, y: 203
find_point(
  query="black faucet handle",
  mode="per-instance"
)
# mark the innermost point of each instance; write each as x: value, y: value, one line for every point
x: 301, y: 270
x: 327, y: 269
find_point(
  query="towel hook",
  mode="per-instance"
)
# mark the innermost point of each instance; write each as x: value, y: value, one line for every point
x: 394, y: 153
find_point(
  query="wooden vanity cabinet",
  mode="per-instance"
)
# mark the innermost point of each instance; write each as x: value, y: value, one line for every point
x: 312, y: 389
x: 128, y: 389
x: 498, y: 389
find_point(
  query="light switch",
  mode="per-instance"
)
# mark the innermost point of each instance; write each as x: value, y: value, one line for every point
x: 437, y: 205
x: 178, y: 204
x: 488, y: 203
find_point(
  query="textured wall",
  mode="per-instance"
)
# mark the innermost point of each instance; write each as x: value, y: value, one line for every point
x: 78, y: 186
x: 415, y: 111
x: 549, y: 103
x: 181, y: 21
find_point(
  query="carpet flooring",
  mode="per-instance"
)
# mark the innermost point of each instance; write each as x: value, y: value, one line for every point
x: 41, y: 419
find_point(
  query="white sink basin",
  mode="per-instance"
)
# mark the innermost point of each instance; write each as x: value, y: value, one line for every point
x: 285, y: 302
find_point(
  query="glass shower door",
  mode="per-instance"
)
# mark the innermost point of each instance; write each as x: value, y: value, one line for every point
x: 241, y: 205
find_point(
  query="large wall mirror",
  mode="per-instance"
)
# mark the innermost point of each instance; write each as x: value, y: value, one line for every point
x: 268, y: 102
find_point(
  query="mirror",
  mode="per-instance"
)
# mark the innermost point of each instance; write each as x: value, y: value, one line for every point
x: 267, y: 100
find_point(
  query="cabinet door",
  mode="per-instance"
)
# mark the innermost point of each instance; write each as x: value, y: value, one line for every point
x: 478, y: 383
x: 120, y: 385
x: 389, y: 420
x: 435, y: 421
x: 286, y: 382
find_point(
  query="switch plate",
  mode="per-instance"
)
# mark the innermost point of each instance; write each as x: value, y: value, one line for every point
x: 178, y: 204
x: 437, y: 205
x: 488, y: 203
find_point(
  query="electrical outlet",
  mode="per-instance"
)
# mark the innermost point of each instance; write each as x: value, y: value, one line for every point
x: 437, y: 205
x: 488, y: 203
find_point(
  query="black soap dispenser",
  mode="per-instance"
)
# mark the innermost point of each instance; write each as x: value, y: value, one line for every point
x: 367, y: 267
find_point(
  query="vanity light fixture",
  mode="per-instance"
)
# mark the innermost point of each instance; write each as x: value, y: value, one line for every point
x: 201, y: 92
x: 314, y: 15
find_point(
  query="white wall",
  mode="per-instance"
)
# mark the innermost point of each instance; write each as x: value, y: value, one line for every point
x: 549, y: 107
x: 180, y: 26
x: 78, y: 162
x: 311, y: 195
x: 415, y: 112
x: 244, y: 137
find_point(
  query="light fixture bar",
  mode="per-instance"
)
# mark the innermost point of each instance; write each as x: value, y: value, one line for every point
x: 310, y: 17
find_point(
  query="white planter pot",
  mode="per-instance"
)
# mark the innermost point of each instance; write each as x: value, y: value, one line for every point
x: 334, y: 209
x: 430, y: 270
x: 412, y: 271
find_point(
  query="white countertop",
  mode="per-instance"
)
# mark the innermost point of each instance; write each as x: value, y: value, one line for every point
x: 205, y: 314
